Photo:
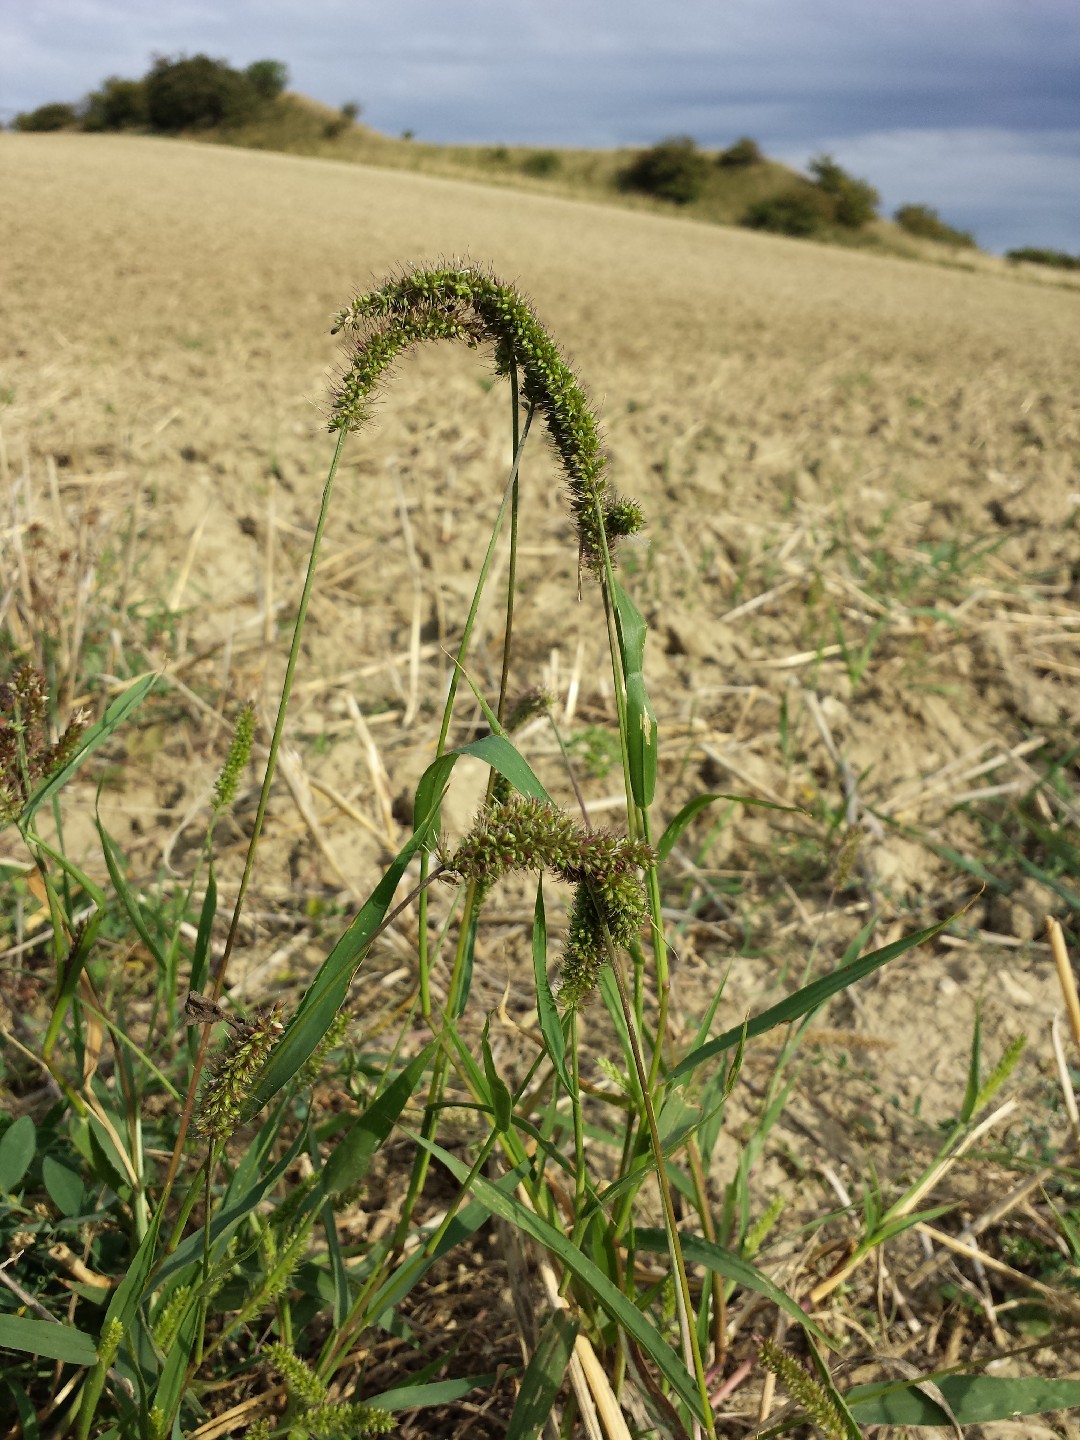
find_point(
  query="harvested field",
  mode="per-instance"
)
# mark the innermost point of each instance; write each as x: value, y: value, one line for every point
x: 861, y: 572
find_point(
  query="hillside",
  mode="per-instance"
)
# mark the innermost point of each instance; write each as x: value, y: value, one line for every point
x: 298, y: 125
x: 860, y: 576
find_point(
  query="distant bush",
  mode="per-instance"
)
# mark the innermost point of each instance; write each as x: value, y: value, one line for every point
x: 541, y: 163
x: 267, y: 78
x: 1034, y: 255
x: 47, y: 117
x: 497, y: 154
x: 744, y: 152
x: 674, y: 170
x: 924, y: 221
x: 192, y: 93
x: 854, y: 202
x: 118, y: 105
x: 792, y: 212
x: 344, y: 120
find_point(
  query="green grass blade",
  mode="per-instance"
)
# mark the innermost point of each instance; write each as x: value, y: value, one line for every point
x: 435, y: 1392
x: 971, y: 1092
x: 694, y: 807
x: 636, y: 1325
x: 641, y: 738
x: 641, y: 741
x: 413, y: 1269
x: 122, y: 1310
x: 546, y: 1009
x: 91, y: 739
x: 732, y: 1267
x: 200, y: 959
x: 233, y: 1211
x: 808, y: 999
x: 352, y: 1155
x: 825, y: 1377
x: 543, y: 1377
x: 127, y: 897
x: 493, y: 750
x: 53, y: 1341
x: 502, y: 1104
x: 326, y: 993
x: 72, y: 968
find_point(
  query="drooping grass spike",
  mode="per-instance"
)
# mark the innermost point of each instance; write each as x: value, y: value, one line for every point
x: 609, y: 900
x: 466, y: 302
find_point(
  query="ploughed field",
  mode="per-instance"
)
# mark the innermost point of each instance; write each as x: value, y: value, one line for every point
x: 861, y: 570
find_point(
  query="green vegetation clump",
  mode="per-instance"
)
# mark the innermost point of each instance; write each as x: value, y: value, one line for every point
x: 541, y: 163
x: 342, y: 121
x: 119, y: 105
x: 1036, y: 255
x: 798, y: 212
x: 268, y: 78
x: 744, y: 152
x: 854, y: 202
x: 925, y: 222
x: 185, y: 93
x: 196, y: 92
x: 674, y: 170
x: 836, y: 200
x: 55, y: 116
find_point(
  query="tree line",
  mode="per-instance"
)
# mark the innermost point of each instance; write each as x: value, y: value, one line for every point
x: 182, y: 93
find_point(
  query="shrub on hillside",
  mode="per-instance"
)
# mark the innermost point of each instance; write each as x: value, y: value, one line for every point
x: 854, y: 202
x: 267, y: 78
x: 674, y: 170
x: 55, y: 116
x: 344, y: 120
x: 1035, y: 255
x: 792, y: 212
x: 924, y: 221
x: 744, y: 152
x: 541, y: 163
x: 118, y: 105
x: 193, y: 93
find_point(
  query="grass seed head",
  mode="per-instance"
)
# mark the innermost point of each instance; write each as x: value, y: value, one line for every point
x: 467, y: 303
x: 609, y: 903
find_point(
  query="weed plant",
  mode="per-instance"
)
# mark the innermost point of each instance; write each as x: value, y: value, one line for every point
x: 192, y: 1187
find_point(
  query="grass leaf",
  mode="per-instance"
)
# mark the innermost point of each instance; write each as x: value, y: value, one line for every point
x: 40, y: 1337
x: 543, y: 1377
x: 352, y: 1155
x: 637, y: 1325
x: 699, y: 1251
x: 546, y: 1009
x: 326, y: 993
x: 808, y: 999
x: 90, y: 740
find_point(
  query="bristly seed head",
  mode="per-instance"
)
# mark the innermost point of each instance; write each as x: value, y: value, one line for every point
x: 467, y: 303
x: 234, y: 1071
x: 609, y: 903
x: 26, y: 756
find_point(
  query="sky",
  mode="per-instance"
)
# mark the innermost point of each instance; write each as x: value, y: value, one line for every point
x: 971, y: 106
